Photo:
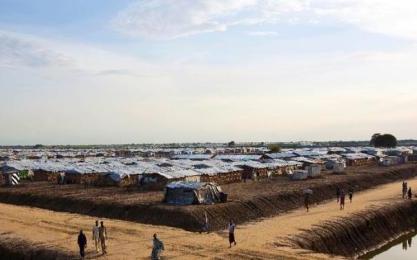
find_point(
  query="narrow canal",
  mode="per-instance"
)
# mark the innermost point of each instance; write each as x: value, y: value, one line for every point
x: 404, y: 248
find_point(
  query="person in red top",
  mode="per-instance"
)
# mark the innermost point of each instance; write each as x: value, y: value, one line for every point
x: 342, y: 200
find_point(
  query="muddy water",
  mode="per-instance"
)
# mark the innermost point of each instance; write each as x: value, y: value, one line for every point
x: 404, y: 248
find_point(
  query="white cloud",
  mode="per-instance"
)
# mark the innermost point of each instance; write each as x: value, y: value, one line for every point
x: 171, y: 19
x: 19, y: 50
x: 396, y: 18
x: 263, y: 33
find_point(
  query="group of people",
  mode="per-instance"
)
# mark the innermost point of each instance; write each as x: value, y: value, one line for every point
x: 100, y: 232
x: 99, y: 236
x: 407, y: 193
x: 341, y: 196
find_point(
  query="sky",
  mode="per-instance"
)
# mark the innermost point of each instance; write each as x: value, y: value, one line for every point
x: 144, y: 71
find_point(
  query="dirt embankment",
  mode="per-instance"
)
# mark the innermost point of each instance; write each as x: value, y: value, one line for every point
x: 263, y: 199
x: 360, y: 233
x: 279, y: 202
x: 17, y: 249
x: 266, y: 239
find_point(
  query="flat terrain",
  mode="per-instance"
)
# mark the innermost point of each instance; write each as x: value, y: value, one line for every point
x: 236, y: 191
x: 129, y: 240
x: 248, y: 201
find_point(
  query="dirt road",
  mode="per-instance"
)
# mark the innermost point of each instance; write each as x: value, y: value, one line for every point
x: 129, y: 240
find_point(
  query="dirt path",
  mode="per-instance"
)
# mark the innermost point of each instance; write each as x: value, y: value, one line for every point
x: 128, y: 240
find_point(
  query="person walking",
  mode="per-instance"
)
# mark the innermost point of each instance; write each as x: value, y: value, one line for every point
x: 231, y: 227
x: 103, y: 236
x: 350, y: 194
x: 157, y: 248
x: 409, y: 193
x: 205, y: 227
x: 96, y: 236
x: 404, y: 189
x: 82, y: 243
x: 338, y: 194
x: 342, y: 200
x: 307, y: 201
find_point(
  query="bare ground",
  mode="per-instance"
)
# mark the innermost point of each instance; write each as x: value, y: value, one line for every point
x: 266, y: 239
x: 248, y: 201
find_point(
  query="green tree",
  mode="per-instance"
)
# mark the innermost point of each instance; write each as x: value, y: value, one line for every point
x: 385, y: 140
x: 231, y: 144
x: 374, y: 136
x: 274, y: 148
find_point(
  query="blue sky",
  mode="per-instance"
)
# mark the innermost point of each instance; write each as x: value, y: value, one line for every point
x: 134, y: 71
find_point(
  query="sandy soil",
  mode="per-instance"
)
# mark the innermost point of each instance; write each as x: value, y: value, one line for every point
x: 128, y: 240
x: 247, y: 201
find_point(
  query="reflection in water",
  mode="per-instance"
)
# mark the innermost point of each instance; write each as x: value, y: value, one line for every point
x: 407, y: 243
x: 404, y: 245
x: 401, y: 247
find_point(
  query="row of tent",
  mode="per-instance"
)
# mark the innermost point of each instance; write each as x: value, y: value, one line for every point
x: 170, y: 168
x: 196, y: 153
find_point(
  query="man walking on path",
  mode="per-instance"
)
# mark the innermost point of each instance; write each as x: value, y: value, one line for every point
x: 410, y: 194
x: 103, y: 237
x: 307, y: 201
x: 96, y: 235
x: 82, y: 243
x: 206, y: 223
x: 404, y: 189
x: 157, y: 248
x: 231, y: 227
x: 350, y: 194
x: 338, y: 193
x: 342, y: 200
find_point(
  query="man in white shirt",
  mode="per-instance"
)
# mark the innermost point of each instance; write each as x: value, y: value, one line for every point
x: 231, y: 227
x: 96, y: 235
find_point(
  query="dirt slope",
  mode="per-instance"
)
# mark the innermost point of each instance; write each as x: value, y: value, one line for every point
x: 248, y: 201
x: 128, y: 240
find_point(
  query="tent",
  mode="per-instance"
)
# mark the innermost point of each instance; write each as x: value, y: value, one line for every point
x: 10, y: 175
x: 187, y: 193
x: 299, y: 175
x: 114, y: 179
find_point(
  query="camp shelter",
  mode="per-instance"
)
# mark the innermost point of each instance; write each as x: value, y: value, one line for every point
x: 281, y: 155
x: 158, y: 177
x: 194, y: 157
x: 187, y: 193
x: 80, y: 176
x: 307, y: 161
x: 9, y: 175
x: 217, y: 171
x: 299, y: 175
x: 113, y: 179
x: 359, y: 159
x: 314, y: 170
x: 253, y: 170
x: 117, y: 179
x: 238, y: 157
x: 391, y: 160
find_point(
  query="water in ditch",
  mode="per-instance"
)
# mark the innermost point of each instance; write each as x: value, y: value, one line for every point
x: 404, y: 248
